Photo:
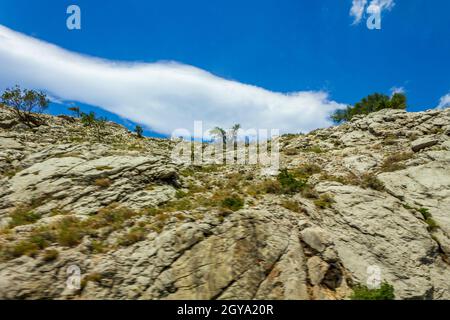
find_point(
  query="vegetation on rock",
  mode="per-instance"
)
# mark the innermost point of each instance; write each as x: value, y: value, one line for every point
x: 385, y: 292
x: 372, y: 103
x: 27, y: 104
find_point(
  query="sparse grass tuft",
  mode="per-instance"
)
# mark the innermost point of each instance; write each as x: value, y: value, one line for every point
x: 372, y: 182
x: 24, y: 247
x: 180, y: 194
x: 314, y: 149
x: 392, y: 163
x: 292, y: 206
x: 291, y: 152
x: 135, y: 235
x: 325, y: 201
x: 93, y: 277
x: 306, y: 170
x: 50, y: 255
x: 270, y: 186
x: 23, y: 215
x: 70, y: 232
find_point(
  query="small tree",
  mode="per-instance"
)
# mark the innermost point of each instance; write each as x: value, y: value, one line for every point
x: 26, y: 104
x: 99, y: 127
x: 76, y: 111
x: 398, y: 101
x: 88, y: 119
x: 234, y: 132
x: 97, y: 124
x: 139, y: 131
x: 220, y: 134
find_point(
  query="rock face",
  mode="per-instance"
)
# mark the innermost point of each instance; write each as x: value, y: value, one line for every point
x: 113, y: 217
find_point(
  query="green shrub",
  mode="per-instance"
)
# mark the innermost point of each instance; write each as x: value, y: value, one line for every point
x: 425, y: 213
x: 371, y: 103
x: 432, y: 224
x: 88, y: 119
x: 233, y: 203
x: 385, y: 292
x: 180, y: 194
x: 289, y: 184
x: 408, y: 207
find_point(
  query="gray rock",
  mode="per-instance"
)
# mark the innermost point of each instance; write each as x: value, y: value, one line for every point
x: 423, y: 143
x: 316, y: 238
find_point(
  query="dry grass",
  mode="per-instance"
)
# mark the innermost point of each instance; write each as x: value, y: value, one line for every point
x: 325, y: 201
x: 103, y: 182
x: 23, y: 215
x: 293, y: 206
x: 393, y: 162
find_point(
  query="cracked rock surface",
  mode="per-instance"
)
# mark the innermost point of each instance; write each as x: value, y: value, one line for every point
x: 137, y: 225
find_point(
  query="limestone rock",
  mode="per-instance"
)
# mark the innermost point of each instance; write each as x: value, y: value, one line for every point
x: 138, y: 224
x: 423, y: 143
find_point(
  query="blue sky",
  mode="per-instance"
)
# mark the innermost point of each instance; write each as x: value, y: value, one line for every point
x: 281, y: 46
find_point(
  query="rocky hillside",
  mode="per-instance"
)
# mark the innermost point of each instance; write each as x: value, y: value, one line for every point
x: 374, y: 192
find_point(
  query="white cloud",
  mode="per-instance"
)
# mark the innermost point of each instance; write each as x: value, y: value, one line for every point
x: 380, y: 5
x: 444, y: 102
x: 395, y: 90
x: 357, y: 10
x: 163, y: 96
x: 358, y: 7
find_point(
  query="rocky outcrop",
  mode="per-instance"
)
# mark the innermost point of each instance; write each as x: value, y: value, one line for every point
x: 138, y: 225
x: 84, y: 186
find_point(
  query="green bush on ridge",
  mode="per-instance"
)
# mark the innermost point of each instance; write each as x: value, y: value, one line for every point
x: 372, y: 103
